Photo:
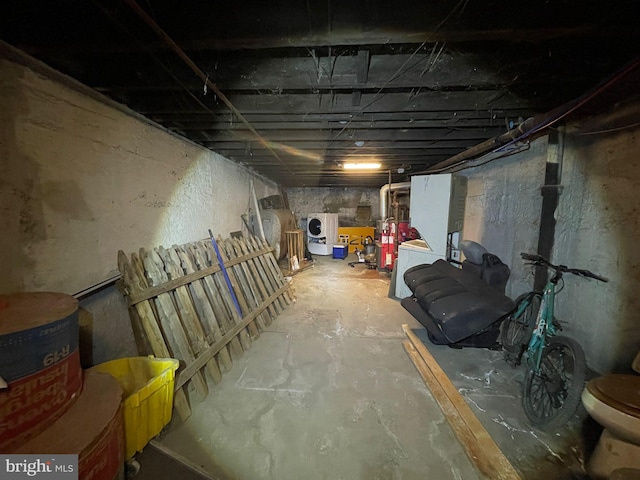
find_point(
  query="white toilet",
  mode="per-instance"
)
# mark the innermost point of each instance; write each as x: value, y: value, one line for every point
x: 614, y: 402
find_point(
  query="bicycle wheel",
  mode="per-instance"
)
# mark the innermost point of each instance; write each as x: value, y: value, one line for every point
x: 552, y: 396
x: 516, y: 331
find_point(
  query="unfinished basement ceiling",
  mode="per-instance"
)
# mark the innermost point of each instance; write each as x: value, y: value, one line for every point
x: 409, y: 83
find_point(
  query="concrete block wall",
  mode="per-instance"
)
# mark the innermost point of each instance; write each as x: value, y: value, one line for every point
x: 597, y: 228
x: 340, y: 200
x: 80, y: 180
x: 503, y: 206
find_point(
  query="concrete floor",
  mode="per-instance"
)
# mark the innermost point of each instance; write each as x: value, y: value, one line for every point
x: 327, y: 392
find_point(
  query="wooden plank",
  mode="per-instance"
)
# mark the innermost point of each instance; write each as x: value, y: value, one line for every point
x: 295, y: 251
x: 291, y: 251
x: 260, y: 277
x: 201, y: 302
x: 460, y: 428
x: 247, y: 287
x: 270, y: 282
x: 244, y: 335
x: 219, y: 296
x: 179, y: 381
x: 138, y: 269
x: 146, y: 294
x: 253, y: 277
x: 150, y: 326
x: 186, y: 309
x: 150, y: 292
x: 204, y: 307
x: 143, y: 345
x: 479, y: 446
x: 170, y: 321
x: 187, y: 469
x: 304, y: 265
x: 273, y: 267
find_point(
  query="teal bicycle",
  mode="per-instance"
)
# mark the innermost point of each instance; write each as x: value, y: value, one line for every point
x: 556, y: 365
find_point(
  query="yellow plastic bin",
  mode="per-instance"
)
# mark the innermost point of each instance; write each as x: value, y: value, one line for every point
x: 147, y: 384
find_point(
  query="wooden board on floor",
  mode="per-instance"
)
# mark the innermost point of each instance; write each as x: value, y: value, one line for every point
x: 304, y: 265
x: 479, y: 446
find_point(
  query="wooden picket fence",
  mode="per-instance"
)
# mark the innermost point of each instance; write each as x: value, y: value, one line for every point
x: 186, y: 305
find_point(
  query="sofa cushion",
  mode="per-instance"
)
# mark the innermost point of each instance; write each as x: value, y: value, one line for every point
x: 460, y: 303
x: 472, y: 251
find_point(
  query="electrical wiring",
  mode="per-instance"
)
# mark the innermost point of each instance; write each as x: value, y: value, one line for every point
x: 608, y: 130
x: 478, y: 162
x: 152, y: 55
x: 576, y: 104
x: 548, y: 119
x: 399, y: 72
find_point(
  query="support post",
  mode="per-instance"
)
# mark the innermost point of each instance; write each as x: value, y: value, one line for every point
x: 551, y: 192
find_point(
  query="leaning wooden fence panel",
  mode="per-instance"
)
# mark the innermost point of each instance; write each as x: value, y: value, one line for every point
x: 182, y: 306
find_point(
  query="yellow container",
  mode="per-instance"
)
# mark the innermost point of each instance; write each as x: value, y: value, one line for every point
x: 147, y: 384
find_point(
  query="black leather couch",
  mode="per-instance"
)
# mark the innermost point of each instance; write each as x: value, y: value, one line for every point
x: 460, y: 307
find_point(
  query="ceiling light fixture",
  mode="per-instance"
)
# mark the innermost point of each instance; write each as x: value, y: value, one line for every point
x: 361, y: 166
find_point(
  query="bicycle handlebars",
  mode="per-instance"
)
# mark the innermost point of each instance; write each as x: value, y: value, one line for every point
x: 541, y: 261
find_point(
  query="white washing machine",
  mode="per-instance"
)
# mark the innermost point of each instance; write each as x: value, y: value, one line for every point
x: 322, y: 232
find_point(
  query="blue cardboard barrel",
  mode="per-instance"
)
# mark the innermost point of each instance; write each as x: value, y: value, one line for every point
x: 39, y: 363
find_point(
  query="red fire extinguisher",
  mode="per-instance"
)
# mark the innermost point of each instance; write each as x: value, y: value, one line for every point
x: 387, y: 247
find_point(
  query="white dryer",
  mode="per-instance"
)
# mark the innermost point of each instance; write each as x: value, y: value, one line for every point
x: 322, y: 232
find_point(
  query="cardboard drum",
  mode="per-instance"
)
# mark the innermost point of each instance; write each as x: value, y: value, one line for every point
x: 39, y: 363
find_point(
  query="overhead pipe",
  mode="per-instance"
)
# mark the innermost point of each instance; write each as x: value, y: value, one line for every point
x: 487, y: 146
x: 384, y: 191
x: 530, y: 126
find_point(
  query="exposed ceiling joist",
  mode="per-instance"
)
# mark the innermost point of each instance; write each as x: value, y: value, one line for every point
x: 414, y: 83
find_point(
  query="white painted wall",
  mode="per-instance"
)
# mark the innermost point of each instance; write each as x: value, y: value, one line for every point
x: 597, y: 228
x: 80, y: 180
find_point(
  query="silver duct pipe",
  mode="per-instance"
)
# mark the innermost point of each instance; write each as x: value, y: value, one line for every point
x: 384, y: 191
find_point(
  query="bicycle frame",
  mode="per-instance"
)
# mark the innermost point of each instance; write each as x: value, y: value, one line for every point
x: 555, y: 365
x: 544, y: 325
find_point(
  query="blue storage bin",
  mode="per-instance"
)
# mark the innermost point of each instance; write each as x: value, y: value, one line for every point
x: 340, y: 251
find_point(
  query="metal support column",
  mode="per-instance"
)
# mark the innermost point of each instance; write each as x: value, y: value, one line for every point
x: 551, y: 192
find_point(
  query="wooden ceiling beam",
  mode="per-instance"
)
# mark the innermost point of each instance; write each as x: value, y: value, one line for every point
x: 214, y: 125
x: 370, y: 147
x: 338, y: 153
x: 351, y: 136
x: 414, y: 116
x: 342, y: 103
x: 450, y: 71
x: 344, y: 38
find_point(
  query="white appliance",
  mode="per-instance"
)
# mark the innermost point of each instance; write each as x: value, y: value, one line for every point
x: 437, y: 211
x: 410, y: 254
x: 322, y: 232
